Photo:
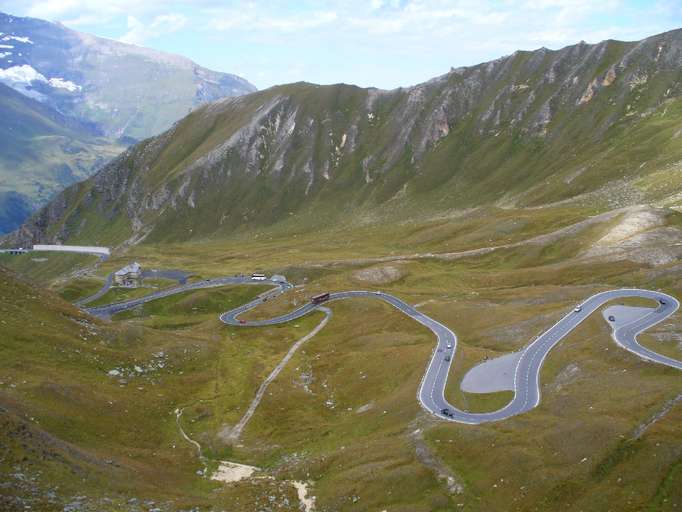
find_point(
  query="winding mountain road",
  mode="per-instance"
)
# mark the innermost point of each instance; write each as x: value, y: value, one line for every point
x: 431, y: 393
x: 118, y: 307
x: 527, y: 375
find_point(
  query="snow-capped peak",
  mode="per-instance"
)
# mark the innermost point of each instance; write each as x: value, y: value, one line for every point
x: 21, y: 78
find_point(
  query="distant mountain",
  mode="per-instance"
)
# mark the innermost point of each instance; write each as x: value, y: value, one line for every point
x: 126, y: 90
x: 70, y: 101
x: 41, y: 152
x: 596, y: 125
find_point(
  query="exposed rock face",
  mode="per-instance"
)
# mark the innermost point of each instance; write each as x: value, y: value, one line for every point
x: 316, y: 154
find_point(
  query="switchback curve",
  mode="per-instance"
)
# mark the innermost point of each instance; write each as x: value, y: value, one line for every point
x: 431, y: 392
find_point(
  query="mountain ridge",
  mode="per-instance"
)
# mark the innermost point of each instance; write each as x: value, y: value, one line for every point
x: 97, y: 95
x: 532, y: 128
x: 128, y: 90
x: 42, y: 151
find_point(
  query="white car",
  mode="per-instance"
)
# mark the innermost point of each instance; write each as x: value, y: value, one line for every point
x: 578, y: 309
x: 449, y: 346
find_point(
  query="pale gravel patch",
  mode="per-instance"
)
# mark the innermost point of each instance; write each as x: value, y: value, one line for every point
x: 229, y: 472
x: 379, y: 275
x: 632, y: 224
x: 364, y: 408
x: 492, y: 375
x: 307, y: 501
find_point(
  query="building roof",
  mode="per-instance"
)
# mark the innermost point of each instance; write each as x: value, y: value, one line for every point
x: 133, y: 268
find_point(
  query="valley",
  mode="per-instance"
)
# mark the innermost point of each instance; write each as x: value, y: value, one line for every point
x: 358, y: 380
x: 249, y: 321
x: 71, y: 102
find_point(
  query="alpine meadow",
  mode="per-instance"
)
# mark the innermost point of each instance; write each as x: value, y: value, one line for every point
x: 456, y: 295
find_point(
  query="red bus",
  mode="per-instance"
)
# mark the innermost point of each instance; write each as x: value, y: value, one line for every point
x: 319, y: 299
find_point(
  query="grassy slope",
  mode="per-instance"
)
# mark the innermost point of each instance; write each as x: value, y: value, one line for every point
x: 343, y: 413
x: 311, y: 423
x: 46, y: 266
x: 71, y: 428
x: 273, y: 161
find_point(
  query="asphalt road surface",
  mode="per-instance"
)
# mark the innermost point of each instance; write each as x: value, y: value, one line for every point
x: 431, y: 393
x: 174, y: 275
x: 99, y: 293
x: 117, y: 307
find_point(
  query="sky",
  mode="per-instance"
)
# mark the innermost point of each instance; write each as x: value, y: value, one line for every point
x: 379, y: 43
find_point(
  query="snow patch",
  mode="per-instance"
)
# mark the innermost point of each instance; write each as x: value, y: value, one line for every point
x: 21, y: 77
x: 20, y: 39
x: 22, y: 74
x: 60, y: 83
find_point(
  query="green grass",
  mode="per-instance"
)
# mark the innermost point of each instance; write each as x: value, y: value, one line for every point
x: 44, y: 267
x: 193, y: 306
x: 75, y: 289
x: 343, y: 411
x: 116, y: 294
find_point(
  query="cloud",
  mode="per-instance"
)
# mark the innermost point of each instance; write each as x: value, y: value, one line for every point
x: 256, y: 21
x: 425, y: 18
x: 372, y: 42
x: 86, y: 11
x: 52, y: 8
x: 138, y: 32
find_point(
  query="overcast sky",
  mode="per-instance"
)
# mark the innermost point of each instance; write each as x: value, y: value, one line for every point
x: 382, y: 43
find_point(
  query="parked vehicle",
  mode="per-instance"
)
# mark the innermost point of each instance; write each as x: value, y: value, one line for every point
x: 319, y: 299
x: 256, y: 276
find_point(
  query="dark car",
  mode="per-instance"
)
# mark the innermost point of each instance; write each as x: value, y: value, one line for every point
x: 445, y: 412
x: 447, y: 358
x: 612, y: 318
x: 661, y: 301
